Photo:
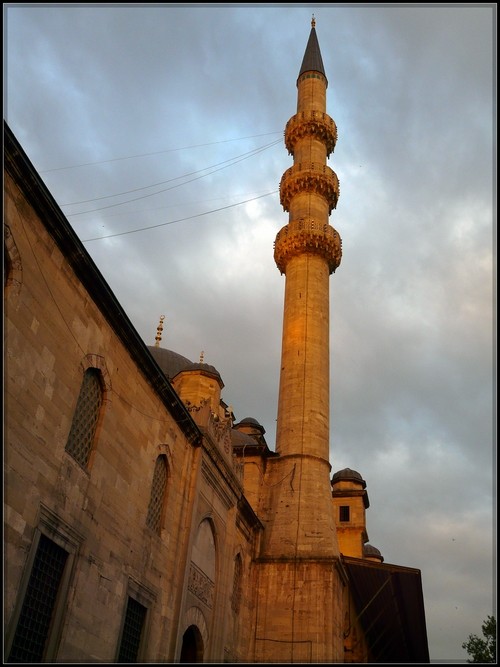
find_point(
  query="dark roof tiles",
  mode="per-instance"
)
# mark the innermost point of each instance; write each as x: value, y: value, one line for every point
x: 312, y: 61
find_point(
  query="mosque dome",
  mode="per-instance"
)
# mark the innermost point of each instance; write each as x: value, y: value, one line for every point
x: 172, y: 363
x: 348, y: 475
x: 250, y: 422
x: 372, y: 552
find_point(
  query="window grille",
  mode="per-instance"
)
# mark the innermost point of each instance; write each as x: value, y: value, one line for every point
x: 344, y: 512
x: 132, y: 631
x: 83, y: 427
x: 157, y: 497
x: 33, y: 627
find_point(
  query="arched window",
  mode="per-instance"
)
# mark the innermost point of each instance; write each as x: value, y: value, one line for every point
x: 157, y: 498
x: 238, y: 572
x: 88, y: 408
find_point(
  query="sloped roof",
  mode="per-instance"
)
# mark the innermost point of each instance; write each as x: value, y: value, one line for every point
x: 390, y: 606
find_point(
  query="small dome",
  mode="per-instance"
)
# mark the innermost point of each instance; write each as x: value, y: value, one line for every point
x: 348, y: 475
x: 372, y: 552
x: 250, y: 421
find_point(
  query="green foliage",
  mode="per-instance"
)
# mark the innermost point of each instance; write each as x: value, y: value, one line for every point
x: 483, y: 650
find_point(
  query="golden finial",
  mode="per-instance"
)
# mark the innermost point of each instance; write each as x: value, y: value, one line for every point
x: 313, y: 22
x: 159, y: 329
x: 201, y: 356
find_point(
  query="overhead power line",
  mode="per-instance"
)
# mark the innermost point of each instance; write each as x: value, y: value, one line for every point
x: 167, y: 150
x: 152, y: 194
x: 172, y: 222
x: 233, y: 160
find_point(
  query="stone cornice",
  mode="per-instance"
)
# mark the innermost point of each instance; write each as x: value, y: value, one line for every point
x: 219, y: 463
x: 319, y: 560
x: 223, y: 491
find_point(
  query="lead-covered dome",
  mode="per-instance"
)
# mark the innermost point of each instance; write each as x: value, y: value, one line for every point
x: 348, y: 475
x: 172, y: 363
x: 372, y: 552
x: 250, y: 422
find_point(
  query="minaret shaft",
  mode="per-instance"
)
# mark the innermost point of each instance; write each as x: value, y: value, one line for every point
x: 307, y: 250
x: 303, y: 416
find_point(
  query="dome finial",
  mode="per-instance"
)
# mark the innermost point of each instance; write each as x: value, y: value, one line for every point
x: 313, y: 22
x: 159, y: 329
x: 201, y: 356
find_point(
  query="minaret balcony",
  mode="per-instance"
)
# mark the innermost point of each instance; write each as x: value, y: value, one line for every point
x: 306, y: 235
x: 309, y: 177
x: 311, y: 124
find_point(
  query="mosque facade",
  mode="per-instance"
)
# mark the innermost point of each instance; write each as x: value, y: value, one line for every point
x: 142, y: 521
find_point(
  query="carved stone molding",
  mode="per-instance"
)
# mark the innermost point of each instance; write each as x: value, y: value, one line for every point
x: 306, y: 235
x: 13, y: 272
x: 309, y: 177
x: 311, y: 124
x: 201, y: 586
x: 220, y: 431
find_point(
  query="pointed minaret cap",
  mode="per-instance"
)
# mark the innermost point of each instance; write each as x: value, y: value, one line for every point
x: 312, y: 61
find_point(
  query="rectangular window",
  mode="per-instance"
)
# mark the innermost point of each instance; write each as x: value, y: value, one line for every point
x: 37, y: 612
x: 133, y: 627
x: 344, y: 512
x: 34, y: 629
x: 133, y: 640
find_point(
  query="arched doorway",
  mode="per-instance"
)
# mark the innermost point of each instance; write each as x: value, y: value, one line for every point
x: 192, y: 645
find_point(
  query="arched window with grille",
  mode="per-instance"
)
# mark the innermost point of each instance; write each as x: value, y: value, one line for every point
x: 237, y: 576
x: 88, y: 409
x: 157, y: 497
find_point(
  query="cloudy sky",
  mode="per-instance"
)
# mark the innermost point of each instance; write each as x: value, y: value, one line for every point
x: 159, y: 131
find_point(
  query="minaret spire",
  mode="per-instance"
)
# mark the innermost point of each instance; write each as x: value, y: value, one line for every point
x: 312, y: 61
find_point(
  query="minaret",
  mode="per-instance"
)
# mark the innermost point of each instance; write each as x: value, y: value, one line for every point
x: 307, y: 250
x: 300, y: 592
